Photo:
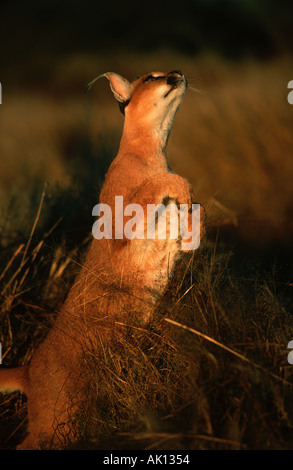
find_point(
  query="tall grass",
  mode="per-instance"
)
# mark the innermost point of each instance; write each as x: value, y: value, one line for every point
x: 210, y: 371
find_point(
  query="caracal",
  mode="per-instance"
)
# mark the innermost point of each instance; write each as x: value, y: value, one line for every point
x: 120, y: 277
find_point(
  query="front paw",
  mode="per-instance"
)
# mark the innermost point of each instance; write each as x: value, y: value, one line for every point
x: 191, y: 227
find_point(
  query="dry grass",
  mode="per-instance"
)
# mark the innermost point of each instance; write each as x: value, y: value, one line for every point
x: 209, y: 372
x: 218, y: 377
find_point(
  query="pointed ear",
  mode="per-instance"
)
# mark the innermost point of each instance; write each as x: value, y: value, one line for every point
x: 120, y: 87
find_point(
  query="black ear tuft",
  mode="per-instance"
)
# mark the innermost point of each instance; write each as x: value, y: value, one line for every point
x: 122, y: 106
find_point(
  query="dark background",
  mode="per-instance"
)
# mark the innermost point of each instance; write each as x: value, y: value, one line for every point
x: 33, y: 34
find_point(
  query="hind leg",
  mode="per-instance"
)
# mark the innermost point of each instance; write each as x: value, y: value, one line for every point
x: 42, y: 427
x: 47, y: 430
x: 50, y: 419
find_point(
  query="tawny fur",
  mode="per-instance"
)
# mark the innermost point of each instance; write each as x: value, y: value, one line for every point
x: 120, y: 279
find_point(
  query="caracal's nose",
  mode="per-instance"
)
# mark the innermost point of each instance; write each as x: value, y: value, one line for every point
x: 174, y: 77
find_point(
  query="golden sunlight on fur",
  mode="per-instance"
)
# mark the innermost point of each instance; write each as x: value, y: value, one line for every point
x: 121, y: 279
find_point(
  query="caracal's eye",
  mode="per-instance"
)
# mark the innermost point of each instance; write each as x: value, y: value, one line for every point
x: 151, y: 78
x: 148, y: 78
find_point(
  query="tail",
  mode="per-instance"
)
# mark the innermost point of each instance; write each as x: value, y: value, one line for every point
x: 14, y: 379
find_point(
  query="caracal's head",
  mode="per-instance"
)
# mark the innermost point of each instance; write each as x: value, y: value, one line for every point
x: 150, y: 102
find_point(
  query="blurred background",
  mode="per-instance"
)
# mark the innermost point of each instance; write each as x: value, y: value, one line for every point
x: 233, y: 139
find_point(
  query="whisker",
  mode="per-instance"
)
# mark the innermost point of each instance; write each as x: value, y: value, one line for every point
x: 197, y: 90
x: 195, y: 80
